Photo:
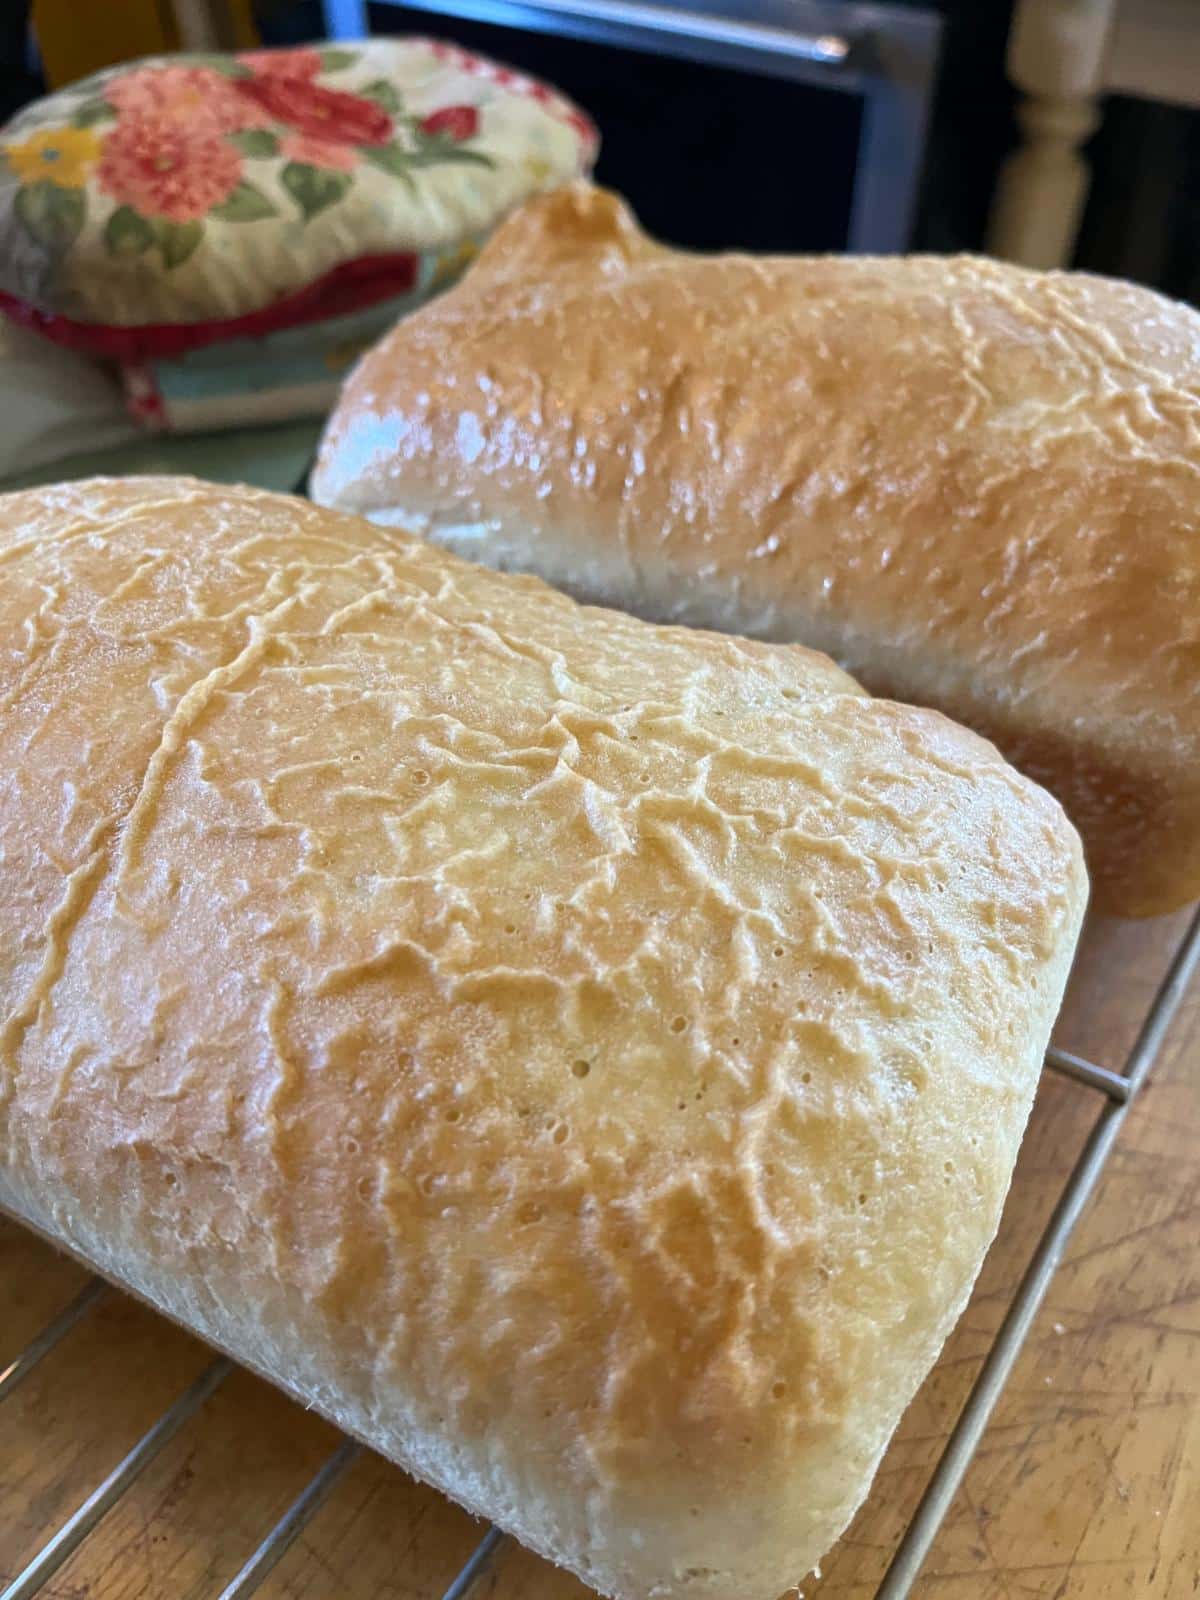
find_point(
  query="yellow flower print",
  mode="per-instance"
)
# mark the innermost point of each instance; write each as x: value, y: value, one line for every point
x: 63, y: 155
x: 538, y: 169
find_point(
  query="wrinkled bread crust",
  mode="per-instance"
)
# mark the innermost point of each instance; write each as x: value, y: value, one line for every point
x: 977, y: 487
x: 585, y: 1060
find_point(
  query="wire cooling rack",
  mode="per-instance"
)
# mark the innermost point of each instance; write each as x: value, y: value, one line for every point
x: 1118, y: 1090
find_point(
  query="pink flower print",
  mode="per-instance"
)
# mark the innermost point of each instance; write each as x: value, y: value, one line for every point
x: 318, y: 152
x: 165, y: 170
x: 453, y: 122
x: 325, y: 113
x: 196, y: 96
x: 303, y: 64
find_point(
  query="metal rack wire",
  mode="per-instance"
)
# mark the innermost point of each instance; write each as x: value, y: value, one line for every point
x: 1118, y: 1089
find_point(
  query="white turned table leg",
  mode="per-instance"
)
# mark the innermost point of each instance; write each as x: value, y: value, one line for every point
x: 1056, y: 57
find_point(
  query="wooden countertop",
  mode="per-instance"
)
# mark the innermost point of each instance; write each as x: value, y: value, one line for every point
x: 1087, y: 1486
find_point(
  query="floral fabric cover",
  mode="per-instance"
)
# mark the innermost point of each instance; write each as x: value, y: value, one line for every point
x: 159, y: 207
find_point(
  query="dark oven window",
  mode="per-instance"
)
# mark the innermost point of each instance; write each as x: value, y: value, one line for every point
x: 710, y: 158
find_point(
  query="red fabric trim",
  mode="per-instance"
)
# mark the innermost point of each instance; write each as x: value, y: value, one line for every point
x: 350, y: 287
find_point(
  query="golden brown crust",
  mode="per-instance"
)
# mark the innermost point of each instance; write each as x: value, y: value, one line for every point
x: 585, y: 1060
x: 977, y: 487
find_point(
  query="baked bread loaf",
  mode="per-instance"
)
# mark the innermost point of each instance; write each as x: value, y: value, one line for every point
x: 976, y: 487
x: 585, y: 1060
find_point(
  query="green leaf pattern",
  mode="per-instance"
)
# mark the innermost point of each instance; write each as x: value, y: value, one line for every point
x: 128, y: 233
x: 256, y: 142
x: 335, y: 60
x: 442, y: 153
x: 51, y: 214
x: 313, y: 188
x: 179, y: 240
x: 392, y: 159
x: 92, y: 112
x: 245, y: 204
x: 401, y: 160
x: 384, y: 94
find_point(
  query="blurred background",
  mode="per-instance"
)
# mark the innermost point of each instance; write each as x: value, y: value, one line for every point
x: 1060, y: 132
x: 1054, y: 133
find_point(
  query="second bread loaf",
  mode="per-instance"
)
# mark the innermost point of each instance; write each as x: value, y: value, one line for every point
x: 976, y: 487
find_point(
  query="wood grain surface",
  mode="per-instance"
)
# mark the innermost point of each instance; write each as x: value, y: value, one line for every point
x: 1087, y: 1486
